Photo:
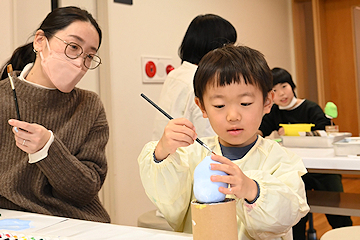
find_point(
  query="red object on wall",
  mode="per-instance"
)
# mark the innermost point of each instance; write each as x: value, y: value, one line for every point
x: 169, y: 68
x: 150, y: 69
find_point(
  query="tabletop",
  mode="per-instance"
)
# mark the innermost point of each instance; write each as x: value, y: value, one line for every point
x: 324, y: 160
x: 60, y: 228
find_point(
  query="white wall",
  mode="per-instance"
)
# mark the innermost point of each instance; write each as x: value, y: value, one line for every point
x: 19, y: 19
x: 6, y: 25
x: 156, y: 28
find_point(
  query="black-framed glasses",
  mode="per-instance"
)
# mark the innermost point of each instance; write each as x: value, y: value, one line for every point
x: 74, y: 50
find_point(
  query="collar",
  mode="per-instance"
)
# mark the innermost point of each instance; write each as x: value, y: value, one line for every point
x: 26, y: 71
x: 291, y: 104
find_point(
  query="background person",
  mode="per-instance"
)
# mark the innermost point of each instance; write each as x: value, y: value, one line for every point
x: 205, y: 33
x: 290, y: 109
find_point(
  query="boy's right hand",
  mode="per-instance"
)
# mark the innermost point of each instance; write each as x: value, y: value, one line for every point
x: 178, y: 132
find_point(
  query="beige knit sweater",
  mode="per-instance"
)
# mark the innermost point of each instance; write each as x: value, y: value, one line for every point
x: 65, y: 183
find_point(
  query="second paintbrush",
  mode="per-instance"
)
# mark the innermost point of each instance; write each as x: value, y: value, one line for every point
x: 10, y: 74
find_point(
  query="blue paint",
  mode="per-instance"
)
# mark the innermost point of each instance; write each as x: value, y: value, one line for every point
x: 205, y: 190
x: 14, y: 224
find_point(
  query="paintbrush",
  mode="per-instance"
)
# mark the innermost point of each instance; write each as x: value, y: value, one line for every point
x: 10, y: 74
x: 169, y: 117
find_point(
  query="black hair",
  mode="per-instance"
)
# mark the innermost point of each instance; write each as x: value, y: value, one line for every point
x: 56, y: 20
x: 280, y: 75
x: 205, y: 33
x: 230, y: 64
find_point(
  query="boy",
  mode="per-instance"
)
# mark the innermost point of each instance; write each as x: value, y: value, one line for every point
x: 232, y: 88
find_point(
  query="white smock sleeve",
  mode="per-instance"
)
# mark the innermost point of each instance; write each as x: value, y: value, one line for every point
x: 168, y: 184
x: 282, y: 200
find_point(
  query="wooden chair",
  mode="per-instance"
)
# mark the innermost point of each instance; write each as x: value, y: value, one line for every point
x: 151, y: 220
x: 348, y: 233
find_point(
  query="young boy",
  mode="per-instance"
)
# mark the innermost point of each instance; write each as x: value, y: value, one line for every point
x: 232, y: 88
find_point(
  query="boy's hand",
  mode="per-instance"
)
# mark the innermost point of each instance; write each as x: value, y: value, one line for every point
x: 178, y: 132
x: 29, y: 137
x: 240, y: 185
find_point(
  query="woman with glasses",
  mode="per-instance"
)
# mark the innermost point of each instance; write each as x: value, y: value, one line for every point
x: 52, y: 152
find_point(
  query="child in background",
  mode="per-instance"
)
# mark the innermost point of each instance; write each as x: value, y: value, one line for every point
x: 289, y: 109
x: 233, y: 90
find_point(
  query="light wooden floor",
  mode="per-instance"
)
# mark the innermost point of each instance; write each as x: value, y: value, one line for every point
x: 351, y: 184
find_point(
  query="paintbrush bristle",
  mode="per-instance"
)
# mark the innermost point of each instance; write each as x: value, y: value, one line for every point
x: 10, y: 72
x: 9, y: 68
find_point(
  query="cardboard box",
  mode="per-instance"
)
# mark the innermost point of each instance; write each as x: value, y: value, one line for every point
x: 214, y: 221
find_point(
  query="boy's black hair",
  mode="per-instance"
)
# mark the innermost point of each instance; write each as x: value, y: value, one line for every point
x: 230, y: 64
x: 280, y: 75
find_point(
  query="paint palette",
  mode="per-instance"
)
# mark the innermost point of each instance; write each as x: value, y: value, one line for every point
x: 16, y: 225
x: 21, y: 236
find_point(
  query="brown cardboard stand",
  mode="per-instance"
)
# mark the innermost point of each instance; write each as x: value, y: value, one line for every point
x: 214, y: 221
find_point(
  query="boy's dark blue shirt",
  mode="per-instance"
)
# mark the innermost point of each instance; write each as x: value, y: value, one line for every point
x: 235, y: 153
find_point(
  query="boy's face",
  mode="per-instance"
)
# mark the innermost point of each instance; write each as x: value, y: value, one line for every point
x: 283, y: 94
x: 235, y: 112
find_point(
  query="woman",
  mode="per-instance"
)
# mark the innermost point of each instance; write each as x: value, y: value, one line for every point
x: 53, y: 160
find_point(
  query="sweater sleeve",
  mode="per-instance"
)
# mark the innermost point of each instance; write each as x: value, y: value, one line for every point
x: 78, y: 178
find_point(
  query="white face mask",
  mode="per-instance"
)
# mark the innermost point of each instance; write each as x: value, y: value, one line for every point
x: 62, y: 71
x: 291, y: 104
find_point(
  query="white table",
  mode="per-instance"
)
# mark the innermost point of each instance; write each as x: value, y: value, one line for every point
x: 69, y: 229
x: 323, y: 160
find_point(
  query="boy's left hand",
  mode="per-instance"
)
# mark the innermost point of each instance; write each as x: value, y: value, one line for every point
x: 240, y: 185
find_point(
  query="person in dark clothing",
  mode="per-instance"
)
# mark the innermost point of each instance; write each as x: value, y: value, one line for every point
x: 290, y: 109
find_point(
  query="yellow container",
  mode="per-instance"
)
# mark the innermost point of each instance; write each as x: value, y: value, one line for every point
x: 294, y: 129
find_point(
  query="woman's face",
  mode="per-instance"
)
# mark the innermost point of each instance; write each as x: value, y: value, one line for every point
x: 82, y: 33
x: 60, y: 70
x: 283, y: 94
